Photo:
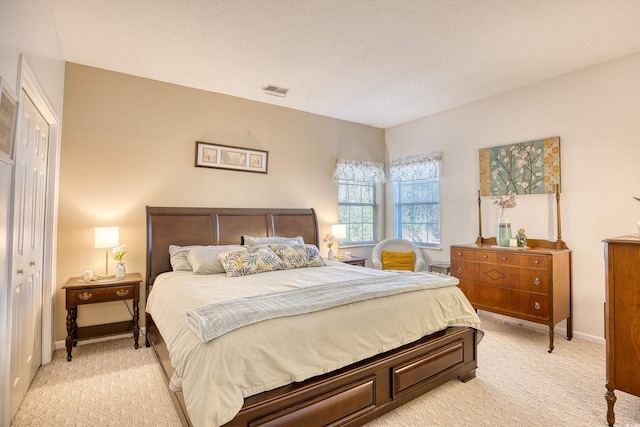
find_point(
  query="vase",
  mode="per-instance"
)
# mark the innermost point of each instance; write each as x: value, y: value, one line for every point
x: 504, y: 231
x: 120, y: 271
x: 330, y: 254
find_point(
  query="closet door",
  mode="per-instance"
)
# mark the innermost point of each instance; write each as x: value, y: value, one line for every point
x: 28, y: 253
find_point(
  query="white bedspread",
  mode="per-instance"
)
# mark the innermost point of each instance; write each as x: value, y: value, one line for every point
x: 218, y: 375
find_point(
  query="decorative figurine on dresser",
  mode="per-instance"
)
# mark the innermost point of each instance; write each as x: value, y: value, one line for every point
x: 622, y: 318
x: 531, y: 281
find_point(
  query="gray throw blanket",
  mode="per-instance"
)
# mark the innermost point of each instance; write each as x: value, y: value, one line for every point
x: 217, y: 319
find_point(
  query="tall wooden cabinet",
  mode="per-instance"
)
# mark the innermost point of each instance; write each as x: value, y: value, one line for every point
x: 532, y: 284
x: 622, y: 317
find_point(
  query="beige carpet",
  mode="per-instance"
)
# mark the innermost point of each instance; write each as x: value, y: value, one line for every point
x: 518, y: 384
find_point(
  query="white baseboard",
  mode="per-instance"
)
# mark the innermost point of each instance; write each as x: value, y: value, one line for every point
x: 61, y: 344
x: 559, y: 330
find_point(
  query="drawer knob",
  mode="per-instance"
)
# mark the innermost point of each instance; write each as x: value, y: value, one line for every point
x: 32, y: 263
x: 85, y: 296
x: 485, y: 256
x: 122, y: 292
x: 537, y: 305
x: 459, y: 253
x: 536, y: 261
x: 536, y: 281
x: 21, y: 271
x: 504, y: 258
x: 459, y: 269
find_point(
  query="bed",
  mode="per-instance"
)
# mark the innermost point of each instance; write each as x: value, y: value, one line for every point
x: 348, y: 394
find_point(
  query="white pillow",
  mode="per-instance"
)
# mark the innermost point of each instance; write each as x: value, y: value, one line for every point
x: 271, y: 240
x: 204, y: 259
x: 178, y: 257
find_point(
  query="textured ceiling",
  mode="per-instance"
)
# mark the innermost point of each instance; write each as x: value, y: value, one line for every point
x: 376, y: 62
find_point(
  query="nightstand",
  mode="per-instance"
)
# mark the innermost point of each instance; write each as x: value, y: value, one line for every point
x: 79, y: 293
x: 439, y: 267
x: 354, y: 260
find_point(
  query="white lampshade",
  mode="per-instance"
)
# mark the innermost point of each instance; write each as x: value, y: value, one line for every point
x: 339, y: 231
x: 106, y: 237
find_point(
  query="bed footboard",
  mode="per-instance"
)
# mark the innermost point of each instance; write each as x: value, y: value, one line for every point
x: 356, y: 394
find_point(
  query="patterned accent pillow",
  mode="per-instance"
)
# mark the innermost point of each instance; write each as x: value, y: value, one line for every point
x: 271, y: 240
x: 244, y: 261
x: 294, y: 256
x: 313, y: 255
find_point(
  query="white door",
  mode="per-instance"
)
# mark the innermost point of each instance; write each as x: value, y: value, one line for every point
x: 32, y: 147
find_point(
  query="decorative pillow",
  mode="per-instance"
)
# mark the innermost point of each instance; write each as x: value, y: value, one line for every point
x: 313, y: 255
x: 178, y: 257
x: 204, y: 259
x: 398, y: 260
x: 271, y: 240
x: 244, y: 261
x: 294, y: 256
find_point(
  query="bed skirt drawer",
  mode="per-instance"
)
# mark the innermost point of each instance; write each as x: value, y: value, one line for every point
x: 427, y: 367
x: 346, y: 402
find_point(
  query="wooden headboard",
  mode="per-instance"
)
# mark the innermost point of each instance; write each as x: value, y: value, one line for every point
x: 219, y: 226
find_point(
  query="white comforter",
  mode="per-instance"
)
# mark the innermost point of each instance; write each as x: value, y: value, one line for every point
x: 218, y: 375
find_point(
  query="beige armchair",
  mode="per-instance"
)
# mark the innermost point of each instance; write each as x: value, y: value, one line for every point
x: 397, y: 245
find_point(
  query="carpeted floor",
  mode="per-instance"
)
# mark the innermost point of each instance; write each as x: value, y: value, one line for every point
x: 518, y: 384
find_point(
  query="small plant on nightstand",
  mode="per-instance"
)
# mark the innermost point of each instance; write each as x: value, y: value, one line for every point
x: 118, y: 255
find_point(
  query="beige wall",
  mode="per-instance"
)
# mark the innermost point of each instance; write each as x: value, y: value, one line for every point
x: 595, y: 113
x: 128, y: 142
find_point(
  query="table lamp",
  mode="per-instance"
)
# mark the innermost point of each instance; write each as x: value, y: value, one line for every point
x: 106, y: 238
x: 339, y: 231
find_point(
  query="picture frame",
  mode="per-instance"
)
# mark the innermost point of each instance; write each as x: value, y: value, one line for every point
x: 218, y: 156
x: 8, y: 114
x: 531, y: 167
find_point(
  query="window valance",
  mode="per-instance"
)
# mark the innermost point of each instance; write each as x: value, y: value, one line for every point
x: 424, y: 166
x: 352, y: 170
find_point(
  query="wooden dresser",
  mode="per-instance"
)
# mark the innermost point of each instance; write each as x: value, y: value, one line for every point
x: 622, y: 317
x: 532, y: 284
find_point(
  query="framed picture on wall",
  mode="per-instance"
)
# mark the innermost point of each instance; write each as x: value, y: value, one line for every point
x: 8, y: 112
x: 531, y: 167
x: 227, y: 157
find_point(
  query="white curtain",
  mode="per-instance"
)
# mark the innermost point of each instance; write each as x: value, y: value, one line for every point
x: 352, y: 170
x: 414, y: 168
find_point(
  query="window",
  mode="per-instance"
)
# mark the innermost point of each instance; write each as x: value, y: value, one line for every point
x: 418, y: 211
x: 357, y: 210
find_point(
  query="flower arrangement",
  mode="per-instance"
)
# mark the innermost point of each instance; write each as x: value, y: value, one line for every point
x: 504, y: 201
x: 118, y: 253
x: 328, y: 239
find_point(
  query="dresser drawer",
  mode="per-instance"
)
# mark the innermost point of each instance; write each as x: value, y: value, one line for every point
x: 511, y: 302
x: 473, y: 255
x: 502, y: 275
x: 522, y: 260
x: 113, y: 293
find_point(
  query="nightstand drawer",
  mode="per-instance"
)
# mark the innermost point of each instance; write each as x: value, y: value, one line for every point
x: 354, y: 261
x: 114, y: 293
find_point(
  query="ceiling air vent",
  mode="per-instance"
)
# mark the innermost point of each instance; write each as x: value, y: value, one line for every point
x: 275, y: 91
